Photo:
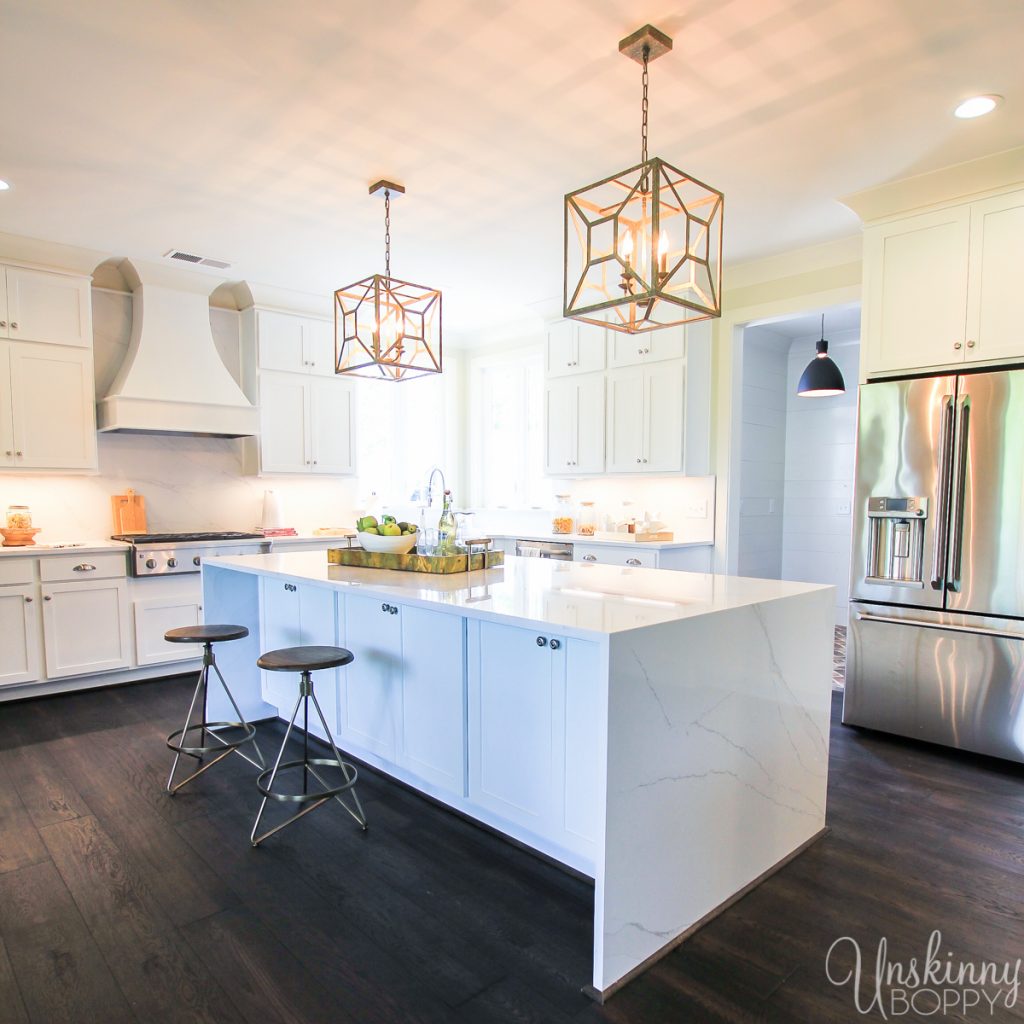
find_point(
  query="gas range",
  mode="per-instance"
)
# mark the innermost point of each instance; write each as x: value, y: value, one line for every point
x: 170, y: 554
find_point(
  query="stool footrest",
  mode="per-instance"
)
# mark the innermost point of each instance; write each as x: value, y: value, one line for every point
x: 249, y: 733
x: 320, y: 794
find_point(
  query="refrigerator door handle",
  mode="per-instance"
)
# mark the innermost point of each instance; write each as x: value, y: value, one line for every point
x: 942, y: 505
x: 947, y: 627
x: 959, y: 494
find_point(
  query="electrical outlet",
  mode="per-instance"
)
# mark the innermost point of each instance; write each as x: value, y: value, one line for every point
x: 696, y: 510
x: 843, y: 508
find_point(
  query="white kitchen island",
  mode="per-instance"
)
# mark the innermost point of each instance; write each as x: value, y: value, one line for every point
x: 665, y: 733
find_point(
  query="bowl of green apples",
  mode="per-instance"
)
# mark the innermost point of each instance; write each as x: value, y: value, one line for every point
x: 388, y: 535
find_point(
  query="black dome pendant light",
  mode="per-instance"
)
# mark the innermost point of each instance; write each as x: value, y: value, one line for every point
x: 822, y: 377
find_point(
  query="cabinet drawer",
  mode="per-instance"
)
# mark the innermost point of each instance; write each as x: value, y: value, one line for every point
x: 104, y: 565
x: 16, y: 570
x: 644, y: 558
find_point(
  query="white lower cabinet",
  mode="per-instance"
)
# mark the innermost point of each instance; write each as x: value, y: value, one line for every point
x: 160, y: 605
x: 521, y: 699
x: 86, y: 627
x: 296, y: 615
x: 19, y: 628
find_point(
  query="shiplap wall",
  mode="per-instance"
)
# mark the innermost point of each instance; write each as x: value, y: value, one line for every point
x: 763, y: 453
x: 821, y: 439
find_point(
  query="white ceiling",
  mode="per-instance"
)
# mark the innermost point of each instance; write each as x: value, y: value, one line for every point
x: 251, y: 130
x: 838, y: 320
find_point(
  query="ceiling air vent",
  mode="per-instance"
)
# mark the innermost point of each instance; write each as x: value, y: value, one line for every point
x: 200, y: 261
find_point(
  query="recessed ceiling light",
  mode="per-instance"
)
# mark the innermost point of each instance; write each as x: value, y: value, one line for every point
x: 3, y: 185
x: 976, y: 106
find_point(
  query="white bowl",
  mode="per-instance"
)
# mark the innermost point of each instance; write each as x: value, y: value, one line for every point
x: 389, y: 545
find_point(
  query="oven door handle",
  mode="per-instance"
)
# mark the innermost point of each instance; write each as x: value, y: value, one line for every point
x: 942, y: 505
x: 1002, y: 634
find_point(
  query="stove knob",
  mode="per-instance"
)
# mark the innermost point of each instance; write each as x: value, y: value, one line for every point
x: 196, y: 560
x: 172, y: 563
x: 150, y: 563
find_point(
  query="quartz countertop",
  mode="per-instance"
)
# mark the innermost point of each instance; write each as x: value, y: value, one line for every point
x: 89, y: 547
x: 573, y: 598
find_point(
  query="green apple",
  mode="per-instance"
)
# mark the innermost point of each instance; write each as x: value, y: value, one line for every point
x: 365, y: 522
x: 391, y: 530
x: 370, y: 529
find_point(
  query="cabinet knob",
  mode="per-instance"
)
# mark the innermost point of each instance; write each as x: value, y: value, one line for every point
x: 19, y: 454
x: 970, y: 344
x: 638, y: 462
x: 632, y: 561
x: 383, y: 607
x: 14, y: 326
x: 542, y: 641
x: 290, y: 587
x: 46, y: 597
x: 28, y: 600
x: 645, y: 460
x: 8, y: 452
x: 555, y: 644
x: 3, y: 323
x: 196, y: 560
x: 957, y: 345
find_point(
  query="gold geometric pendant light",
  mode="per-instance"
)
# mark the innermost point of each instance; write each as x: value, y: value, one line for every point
x: 643, y: 247
x: 384, y: 328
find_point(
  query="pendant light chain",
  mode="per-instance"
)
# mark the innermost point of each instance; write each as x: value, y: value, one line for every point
x: 644, y: 106
x: 387, y: 234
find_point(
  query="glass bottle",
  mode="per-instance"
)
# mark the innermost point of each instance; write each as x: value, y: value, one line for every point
x: 446, y: 527
x: 586, y: 525
x: 19, y: 517
x: 563, y: 519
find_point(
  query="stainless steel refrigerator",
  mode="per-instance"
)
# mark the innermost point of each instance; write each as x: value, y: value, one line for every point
x: 936, y: 641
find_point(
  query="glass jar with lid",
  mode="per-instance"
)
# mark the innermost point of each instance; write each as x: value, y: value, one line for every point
x: 586, y: 521
x: 19, y: 517
x: 563, y: 519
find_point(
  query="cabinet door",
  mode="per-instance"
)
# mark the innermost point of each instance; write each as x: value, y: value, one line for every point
x: 53, y: 406
x: 589, y: 425
x: 280, y: 341
x: 332, y: 426
x: 284, y: 417
x: 318, y: 625
x: 625, y: 420
x: 915, y: 291
x: 85, y: 627
x: 433, y: 698
x: 19, y: 627
x: 318, y: 347
x: 7, y: 457
x: 561, y: 349
x: 372, y: 684
x: 559, y: 426
x: 636, y: 349
x: 995, y: 304
x: 281, y: 627
x: 515, y: 716
x: 589, y: 355
x: 153, y: 618
x: 581, y: 806
x: 663, y: 418
x: 51, y: 308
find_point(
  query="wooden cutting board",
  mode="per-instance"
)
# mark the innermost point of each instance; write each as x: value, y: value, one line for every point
x: 129, y: 510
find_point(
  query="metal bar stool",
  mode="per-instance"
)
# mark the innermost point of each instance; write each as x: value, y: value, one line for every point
x: 306, y: 660
x: 178, y: 740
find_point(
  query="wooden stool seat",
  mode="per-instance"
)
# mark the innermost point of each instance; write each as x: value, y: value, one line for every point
x: 209, y: 634
x: 304, y: 659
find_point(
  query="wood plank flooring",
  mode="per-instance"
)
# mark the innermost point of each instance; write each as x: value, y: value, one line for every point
x: 118, y: 903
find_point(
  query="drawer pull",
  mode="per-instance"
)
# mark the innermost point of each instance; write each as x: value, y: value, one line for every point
x: 633, y: 561
x: 84, y: 567
x: 590, y: 558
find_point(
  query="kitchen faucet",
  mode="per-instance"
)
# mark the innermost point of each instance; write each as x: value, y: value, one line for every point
x: 436, y: 471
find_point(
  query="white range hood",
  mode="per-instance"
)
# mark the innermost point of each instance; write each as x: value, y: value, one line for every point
x: 172, y: 380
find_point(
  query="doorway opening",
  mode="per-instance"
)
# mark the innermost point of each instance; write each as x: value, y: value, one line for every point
x: 797, y: 458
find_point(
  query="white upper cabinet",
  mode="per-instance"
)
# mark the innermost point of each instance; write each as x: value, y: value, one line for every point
x: 574, y: 425
x: 573, y: 348
x: 942, y: 288
x: 47, y: 407
x: 284, y: 424
x: 37, y: 305
x: 995, y: 298
x: 652, y: 347
x: 294, y: 344
x: 332, y: 426
x: 645, y: 419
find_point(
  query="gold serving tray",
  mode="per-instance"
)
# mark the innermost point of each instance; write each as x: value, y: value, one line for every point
x: 437, y: 564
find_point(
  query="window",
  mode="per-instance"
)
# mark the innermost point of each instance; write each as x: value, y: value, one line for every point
x: 507, y: 442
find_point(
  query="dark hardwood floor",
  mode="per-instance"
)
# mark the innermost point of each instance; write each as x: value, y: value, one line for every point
x: 118, y: 903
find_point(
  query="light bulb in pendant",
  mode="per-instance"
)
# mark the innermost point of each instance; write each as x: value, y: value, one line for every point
x: 626, y: 247
x: 663, y: 244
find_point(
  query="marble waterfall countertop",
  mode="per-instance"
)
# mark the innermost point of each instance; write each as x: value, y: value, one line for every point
x: 575, y: 598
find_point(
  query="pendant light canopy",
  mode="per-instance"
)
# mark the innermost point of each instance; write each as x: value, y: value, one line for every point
x: 385, y: 328
x: 822, y: 377
x: 643, y: 247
